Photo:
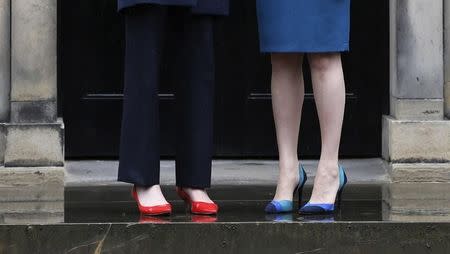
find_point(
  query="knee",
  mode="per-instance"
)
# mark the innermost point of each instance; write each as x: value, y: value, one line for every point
x: 321, y: 63
x: 285, y: 62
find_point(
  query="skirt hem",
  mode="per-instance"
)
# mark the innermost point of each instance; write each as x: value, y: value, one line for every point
x: 344, y: 48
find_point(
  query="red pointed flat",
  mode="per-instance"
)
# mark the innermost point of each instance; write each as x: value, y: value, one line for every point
x: 151, y: 210
x: 201, y: 208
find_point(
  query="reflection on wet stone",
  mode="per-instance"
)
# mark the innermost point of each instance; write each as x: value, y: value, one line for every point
x: 429, y: 202
x: 105, y: 219
x: 31, y: 195
x: 111, y: 204
x: 416, y: 202
x: 32, y: 212
x: 319, y: 218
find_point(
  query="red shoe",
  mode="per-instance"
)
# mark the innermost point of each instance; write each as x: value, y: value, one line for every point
x: 202, y: 208
x: 151, y: 210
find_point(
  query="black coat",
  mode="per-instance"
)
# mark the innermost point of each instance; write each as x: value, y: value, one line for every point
x: 211, y: 7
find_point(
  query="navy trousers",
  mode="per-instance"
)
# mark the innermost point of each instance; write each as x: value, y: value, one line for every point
x: 148, y: 28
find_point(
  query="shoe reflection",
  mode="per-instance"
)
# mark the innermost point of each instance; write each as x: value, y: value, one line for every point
x: 318, y: 218
x: 203, y: 218
x: 152, y: 219
x: 285, y: 217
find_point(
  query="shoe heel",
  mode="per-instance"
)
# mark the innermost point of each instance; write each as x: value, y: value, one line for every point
x: 339, y: 200
x: 301, y: 185
x: 300, y: 196
x: 344, y: 180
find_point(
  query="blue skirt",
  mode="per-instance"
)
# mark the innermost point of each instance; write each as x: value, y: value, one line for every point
x: 304, y: 25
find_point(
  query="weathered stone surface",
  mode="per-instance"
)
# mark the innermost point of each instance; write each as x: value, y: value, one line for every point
x: 420, y: 172
x: 34, y: 112
x: 32, y: 217
x: 416, y: 49
x: 5, y: 64
x: 2, y: 144
x: 447, y: 58
x: 400, y: 216
x: 421, y: 206
x: 33, y: 55
x: 417, y: 191
x: 346, y: 237
x: 34, y: 145
x: 32, y: 184
x: 427, y: 201
x: 32, y: 207
x: 416, y: 141
x: 417, y: 109
x: 35, y: 212
x: 447, y: 99
x: 386, y: 138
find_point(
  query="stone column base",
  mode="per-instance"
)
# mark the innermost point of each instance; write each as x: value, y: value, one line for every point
x: 32, y: 174
x: 416, y: 141
x: 416, y: 201
x: 419, y: 169
x: 417, y: 192
x: 34, y: 144
x: 419, y: 172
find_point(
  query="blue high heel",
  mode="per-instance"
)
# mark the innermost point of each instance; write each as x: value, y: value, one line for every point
x: 286, y: 206
x: 327, y: 208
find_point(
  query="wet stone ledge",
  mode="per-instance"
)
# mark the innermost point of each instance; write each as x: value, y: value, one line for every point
x: 219, y: 238
x: 31, y: 195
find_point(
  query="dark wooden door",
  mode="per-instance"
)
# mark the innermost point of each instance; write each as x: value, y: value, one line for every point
x: 90, y: 81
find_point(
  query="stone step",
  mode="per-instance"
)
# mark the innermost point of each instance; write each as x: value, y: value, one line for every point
x: 122, y: 192
x: 231, y: 237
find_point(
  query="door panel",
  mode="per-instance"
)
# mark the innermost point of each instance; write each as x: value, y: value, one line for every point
x: 91, y: 62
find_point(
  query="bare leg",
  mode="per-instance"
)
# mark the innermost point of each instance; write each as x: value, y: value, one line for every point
x: 198, y: 195
x: 329, y: 94
x: 287, y: 101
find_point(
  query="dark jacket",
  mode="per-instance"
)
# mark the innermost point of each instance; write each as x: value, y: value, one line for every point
x: 209, y: 7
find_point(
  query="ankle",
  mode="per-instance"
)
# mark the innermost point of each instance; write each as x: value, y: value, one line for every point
x: 328, y: 167
x: 150, y: 196
x: 289, y: 165
x: 197, y: 194
x: 155, y: 187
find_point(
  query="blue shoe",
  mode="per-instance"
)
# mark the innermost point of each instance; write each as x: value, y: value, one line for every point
x: 326, y: 208
x: 286, y: 206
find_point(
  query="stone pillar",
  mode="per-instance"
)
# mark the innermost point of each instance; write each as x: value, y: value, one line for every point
x: 32, y: 180
x: 5, y: 59
x: 34, y: 135
x: 447, y: 59
x: 416, y: 137
x: 5, y: 67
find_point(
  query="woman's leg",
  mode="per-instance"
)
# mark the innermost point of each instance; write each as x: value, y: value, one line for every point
x: 195, y: 82
x: 287, y: 101
x: 329, y: 93
x: 139, y: 148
